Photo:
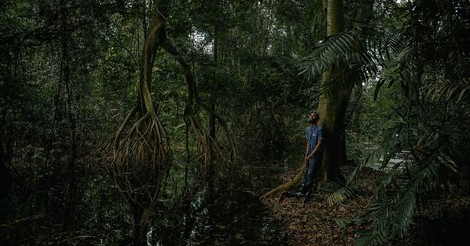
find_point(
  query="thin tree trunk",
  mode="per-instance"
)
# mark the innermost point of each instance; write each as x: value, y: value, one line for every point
x: 72, y: 146
x: 141, y: 222
x: 210, y: 170
x: 65, y: 80
x: 6, y: 178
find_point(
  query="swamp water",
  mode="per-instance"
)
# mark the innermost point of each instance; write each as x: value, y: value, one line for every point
x: 234, y: 216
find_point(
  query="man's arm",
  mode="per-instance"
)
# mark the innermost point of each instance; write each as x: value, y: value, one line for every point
x: 306, y: 151
x: 320, y: 141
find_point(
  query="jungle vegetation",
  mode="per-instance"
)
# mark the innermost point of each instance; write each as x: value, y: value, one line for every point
x: 141, y: 107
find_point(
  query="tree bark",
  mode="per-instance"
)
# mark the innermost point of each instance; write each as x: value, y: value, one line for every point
x: 332, y: 106
x: 141, y: 222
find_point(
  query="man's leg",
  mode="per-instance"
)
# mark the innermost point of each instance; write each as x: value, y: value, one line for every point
x: 310, y: 173
x: 303, y: 188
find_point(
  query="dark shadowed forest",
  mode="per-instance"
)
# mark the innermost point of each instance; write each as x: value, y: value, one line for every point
x: 158, y: 122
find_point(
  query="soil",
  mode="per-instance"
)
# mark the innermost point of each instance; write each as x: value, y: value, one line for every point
x: 441, y: 220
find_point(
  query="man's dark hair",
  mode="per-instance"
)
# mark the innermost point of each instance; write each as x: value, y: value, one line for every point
x: 317, y: 116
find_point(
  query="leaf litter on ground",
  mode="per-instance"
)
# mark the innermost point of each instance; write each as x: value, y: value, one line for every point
x: 316, y: 223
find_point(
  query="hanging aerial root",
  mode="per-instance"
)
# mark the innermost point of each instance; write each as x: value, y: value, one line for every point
x: 208, y: 146
x: 211, y: 145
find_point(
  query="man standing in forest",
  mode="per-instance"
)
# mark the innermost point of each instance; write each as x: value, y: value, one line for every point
x: 314, y: 154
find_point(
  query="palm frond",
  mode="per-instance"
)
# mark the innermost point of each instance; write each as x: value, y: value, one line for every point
x: 392, y: 55
x: 392, y: 216
x: 339, y: 191
x: 451, y: 90
x: 428, y: 61
x: 343, y: 223
x: 343, y: 48
x: 371, y: 238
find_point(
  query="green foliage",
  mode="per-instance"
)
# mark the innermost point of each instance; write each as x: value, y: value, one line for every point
x: 346, y: 47
x: 349, y: 48
x: 339, y: 191
x: 70, y: 69
x: 425, y: 97
x: 450, y: 90
x: 413, y: 100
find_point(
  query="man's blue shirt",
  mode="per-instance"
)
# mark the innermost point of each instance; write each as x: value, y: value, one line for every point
x: 313, y: 135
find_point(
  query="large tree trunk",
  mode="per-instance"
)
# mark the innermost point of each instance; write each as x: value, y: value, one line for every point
x: 332, y: 106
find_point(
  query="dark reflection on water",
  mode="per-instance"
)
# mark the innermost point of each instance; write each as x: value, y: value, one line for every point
x: 245, y: 222
x: 231, y: 215
x: 234, y: 216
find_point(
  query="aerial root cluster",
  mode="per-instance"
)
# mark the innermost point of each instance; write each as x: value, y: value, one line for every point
x: 141, y: 159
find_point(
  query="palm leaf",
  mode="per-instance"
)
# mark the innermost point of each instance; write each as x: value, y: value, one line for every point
x: 342, y: 48
x: 339, y: 191
x: 451, y: 90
